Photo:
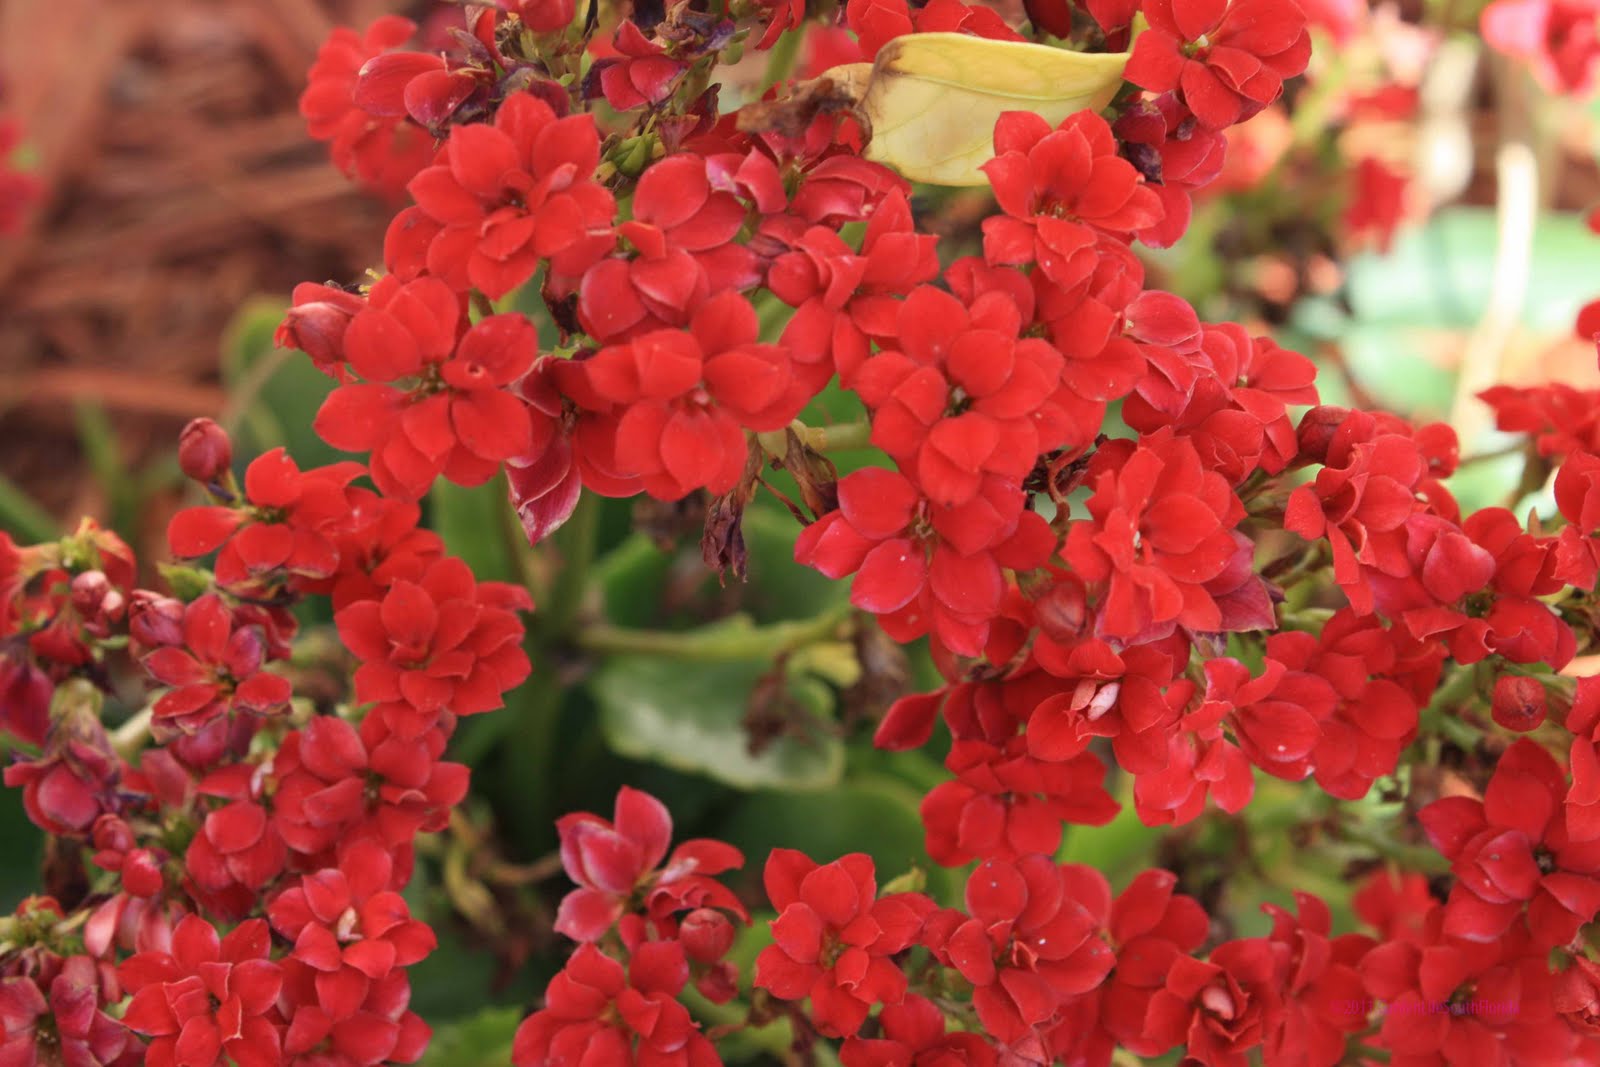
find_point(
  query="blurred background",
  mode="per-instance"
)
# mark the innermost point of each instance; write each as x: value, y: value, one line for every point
x: 1412, y: 215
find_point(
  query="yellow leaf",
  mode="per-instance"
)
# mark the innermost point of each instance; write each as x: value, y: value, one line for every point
x: 932, y: 98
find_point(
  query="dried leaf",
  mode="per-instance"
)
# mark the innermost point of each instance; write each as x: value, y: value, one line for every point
x: 931, y: 100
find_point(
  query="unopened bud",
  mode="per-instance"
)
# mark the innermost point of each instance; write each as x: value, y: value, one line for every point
x: 706, y: 935
x: 1519, y: 703
x: 204, y: 451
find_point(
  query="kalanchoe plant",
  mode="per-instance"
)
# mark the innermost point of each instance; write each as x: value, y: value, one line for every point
x: 1153, y: 571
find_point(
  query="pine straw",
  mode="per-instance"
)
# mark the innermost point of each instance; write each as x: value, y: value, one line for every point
x: 180, y: 183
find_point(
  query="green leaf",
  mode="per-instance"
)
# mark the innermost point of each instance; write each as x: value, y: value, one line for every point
x: 482, y: 1040
x: 690, y: 716
x: 871, y: 814
x: 272, y: 392
x: 779, y: 587
x: 472, y: 523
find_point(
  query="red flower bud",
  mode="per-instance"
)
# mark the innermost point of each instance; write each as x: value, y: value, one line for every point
x: 141, y: 873
x: 706, y: 935
x: 1519, y: 703
x: 1317, y: 428
x: 1050, y: 16
x: 204, y: 451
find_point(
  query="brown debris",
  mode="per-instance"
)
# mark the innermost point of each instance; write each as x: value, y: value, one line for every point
x: 180, y: 182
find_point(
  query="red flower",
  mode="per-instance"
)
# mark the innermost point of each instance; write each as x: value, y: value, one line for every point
x: 1236, y: 410
x: 1449, y: 1001
x: 957, y: 396
x: 281, y: 532
x: 73, y: 780
x: 350, y: 928
x: 1151, y: 927
x: 1583, y: 799
x: 639, y: 73
x: 834, y: 938
x: 1030, y: 946
x: 206, y: 1002
x: 670, y: 407
x: 841, y: 297
x: 443, y: 643
x: 217, y: 669
x: 596, y: 1012
x: 237, y: 846
x: 502, y: 198
x: 683, y: 230
x: 1057, y: 187
x: 454, y: 416
x: 1511, y: 852
x: 333, y: 783
x: 1220, y: 1008
x: 1562, y: 418
x: 1161, y: 528
x: 1323, y: 983
x: 921, y: 568
x: 1366, y: 490
x: 383, y: 152
x: 69, y: 1025
x: 318, y: 317
x: 1004, y: 803
x: 1559, y: 38
x: 914, y: 1035
x: 616, y: 867
x: 1228, y: 58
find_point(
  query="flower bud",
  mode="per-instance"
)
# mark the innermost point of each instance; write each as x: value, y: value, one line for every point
x: 141, y: 873
x: 1317, y: 428
x: 706, y: 935
x: 1063, y: 611
x: 1519, y: 703
x: 317, y: 322
x: 204, y: 451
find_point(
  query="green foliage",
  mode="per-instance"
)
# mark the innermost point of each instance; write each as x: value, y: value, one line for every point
x: 481, y: 1040
x: 690, y: 716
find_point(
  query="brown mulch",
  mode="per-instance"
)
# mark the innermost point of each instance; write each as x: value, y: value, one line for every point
x: 180, y: 182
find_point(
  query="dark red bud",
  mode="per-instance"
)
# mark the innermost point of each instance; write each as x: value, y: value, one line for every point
x: 1519, y: 703
x: 706, y: 935
x: 1317, y: 428
x: 204, y: 451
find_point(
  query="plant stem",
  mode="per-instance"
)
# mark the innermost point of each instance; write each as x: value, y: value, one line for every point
x: 1409, y: 857
x: 781, y: 60
x: 129, y: 738
x: 1517, y: 212
x: 532, y: 745
x: 838, y: 438
x: 576, y: 543
x: 737, y: 639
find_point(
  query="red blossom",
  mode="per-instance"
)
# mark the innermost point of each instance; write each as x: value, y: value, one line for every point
x: 668, y: 410
x: 502, y: 198
x: 834, y: 936
x: 1228, y: 58
x: 443, y: 643
x: 1511, y: 854
x: 618, y: 867
x: 209, y: 1000
x: 1030, y: 945
x: 598, y: 1011
x: 216, y: 670
x: 1161, y: 529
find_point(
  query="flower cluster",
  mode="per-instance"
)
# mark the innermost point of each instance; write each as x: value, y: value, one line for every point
x: 1228, y: 582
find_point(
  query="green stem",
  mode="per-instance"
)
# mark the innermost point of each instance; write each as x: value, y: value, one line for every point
x: 1410, y: 857
x: 737, y: 639
x: 576, y: 543
x: 837, y: 438
x: 781, y: 60
x: 532, y: 746
x: 1440, y: 715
